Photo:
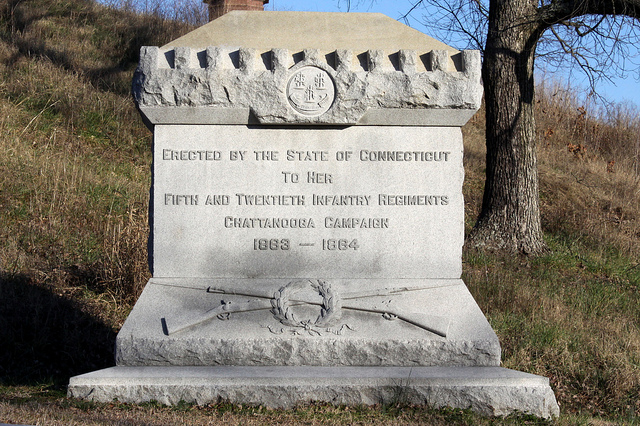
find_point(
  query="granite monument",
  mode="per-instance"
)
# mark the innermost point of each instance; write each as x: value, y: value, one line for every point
x: 307, y: 223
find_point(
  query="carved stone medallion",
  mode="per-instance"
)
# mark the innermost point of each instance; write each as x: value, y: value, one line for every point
x: 310, y: 91
x: 329, y: 314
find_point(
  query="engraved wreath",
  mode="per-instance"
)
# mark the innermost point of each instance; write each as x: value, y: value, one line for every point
x: 282, y: 303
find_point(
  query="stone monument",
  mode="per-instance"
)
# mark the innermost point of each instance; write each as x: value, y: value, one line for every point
x: 307, y: 223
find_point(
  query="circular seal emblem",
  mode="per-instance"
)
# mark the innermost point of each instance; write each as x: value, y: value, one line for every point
x: 310, y: 91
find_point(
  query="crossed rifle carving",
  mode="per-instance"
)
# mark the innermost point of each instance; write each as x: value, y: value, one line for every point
x: 263, y: 301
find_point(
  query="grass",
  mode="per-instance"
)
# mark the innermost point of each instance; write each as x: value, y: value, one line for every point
x: 557, y: 318
x: 74, y: 178
x: 572, y: 314
x: 40, y: 405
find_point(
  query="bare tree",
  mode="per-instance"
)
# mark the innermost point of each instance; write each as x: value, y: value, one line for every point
x: 511, y: 33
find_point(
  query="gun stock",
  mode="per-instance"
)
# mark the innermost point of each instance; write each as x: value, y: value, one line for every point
x: 189, y: 321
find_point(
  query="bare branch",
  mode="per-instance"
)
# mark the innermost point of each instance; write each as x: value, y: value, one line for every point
x: 561, y: 10
x: 590, y: 29
x: 405, y: 17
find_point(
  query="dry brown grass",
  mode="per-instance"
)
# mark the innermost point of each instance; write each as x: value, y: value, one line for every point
x: 99, y: 44
x: 571, y: 315
x: 564, y: 324
x: 60, y: 411
x: 590, y: 169
x: 74, y: 179
x: 75, y: 157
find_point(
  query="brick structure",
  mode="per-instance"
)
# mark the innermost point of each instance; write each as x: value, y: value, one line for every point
x: 218, y: 8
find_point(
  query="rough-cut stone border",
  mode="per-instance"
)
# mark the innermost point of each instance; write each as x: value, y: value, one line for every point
x: 492, y: 391
x: 246, y: 341
x: 243, y: 86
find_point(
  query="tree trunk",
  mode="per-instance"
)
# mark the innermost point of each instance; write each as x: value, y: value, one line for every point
x: 510, y: 216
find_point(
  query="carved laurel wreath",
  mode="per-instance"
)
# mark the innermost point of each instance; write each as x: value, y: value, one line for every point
x: 281, y: 303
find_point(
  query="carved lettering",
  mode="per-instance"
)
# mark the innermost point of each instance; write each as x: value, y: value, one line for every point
x: 191, y: 155
x: 356, y: 222
x: 291, y: 177
x: 237, y: 155
x: 315, y: 177
x: 180, y: 200
x: 269, y: 222
x: 294, y: 155
x: 366, y: 155
x: 413, y: 200
x: 217, y: 200
x: 266, y: 155
x: 270, y: 200
x: 340, y: 200
x: 344, y: 155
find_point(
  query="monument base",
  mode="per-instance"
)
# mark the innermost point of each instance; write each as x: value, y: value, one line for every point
x: 492, y: 391
x: 390, y: 322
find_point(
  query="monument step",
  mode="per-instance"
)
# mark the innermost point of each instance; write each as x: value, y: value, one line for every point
x: 492, y: 391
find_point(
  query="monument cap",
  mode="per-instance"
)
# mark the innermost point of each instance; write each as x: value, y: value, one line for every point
x: 372, y: 71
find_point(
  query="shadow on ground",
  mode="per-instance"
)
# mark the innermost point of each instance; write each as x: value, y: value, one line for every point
x: 46, y: 338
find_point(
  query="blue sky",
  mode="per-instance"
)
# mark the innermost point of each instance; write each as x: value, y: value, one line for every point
x: 620, y: 90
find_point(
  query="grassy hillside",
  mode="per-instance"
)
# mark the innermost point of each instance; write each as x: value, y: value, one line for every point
x: 572, y: 315
x: 74, y: 180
